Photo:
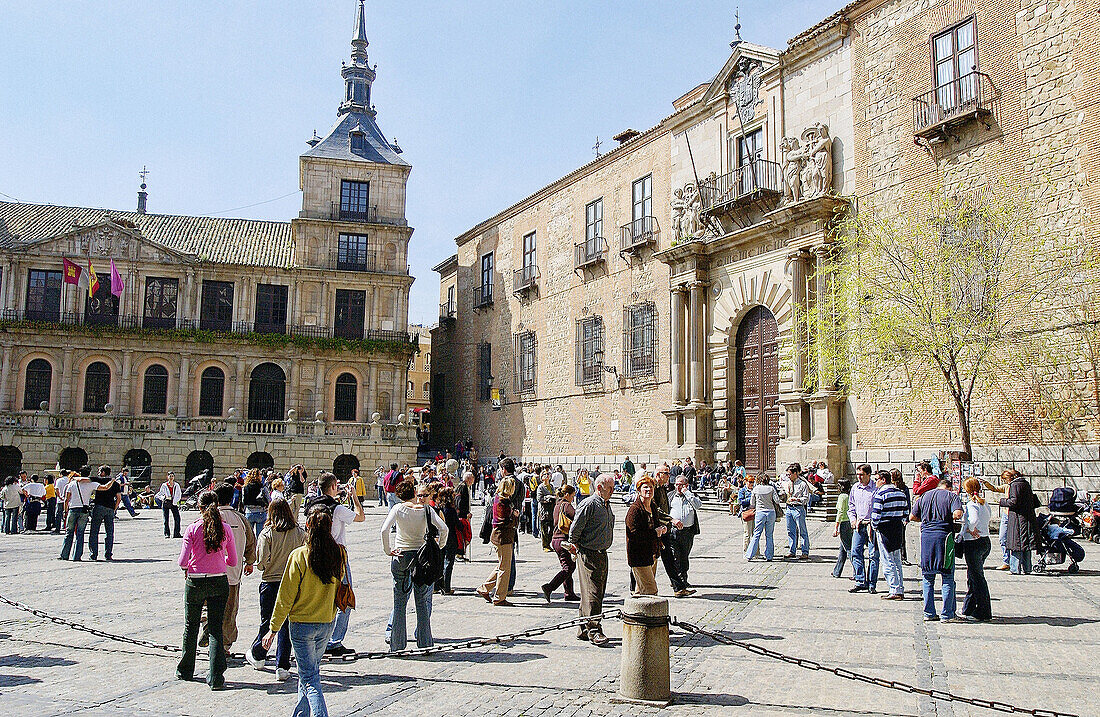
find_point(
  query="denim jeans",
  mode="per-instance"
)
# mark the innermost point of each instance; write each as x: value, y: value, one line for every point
x: 268, y: 593
x: 75, y: 524
x: 340, y: 624
x: 11, y: 520
x: 866, y: 575
x: 59, y: 517
x: 391, y: 500
x: 106, y: 517
x: 1019, y: 561
x: 947, y: 594
x: 449, y: 553
x: 891, y: 564
x: 212, y: 592
x: 1003, y: 534
x: 128, y: 505
x: 845, y: 549
x: 765, y: 524
x: 796, y: 526
x: 401, y: 569
x: 309, y: 640
x: 257, y: 518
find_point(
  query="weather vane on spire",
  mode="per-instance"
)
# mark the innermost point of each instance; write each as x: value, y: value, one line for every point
x: 143, y: 174
x: 736, y: 27
x: 596, y: 147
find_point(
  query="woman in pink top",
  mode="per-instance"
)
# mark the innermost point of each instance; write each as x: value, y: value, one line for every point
x: 208, y: 547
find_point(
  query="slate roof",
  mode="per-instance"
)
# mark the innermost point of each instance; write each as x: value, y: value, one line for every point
x: 337, y: 143
x: 246, y: 242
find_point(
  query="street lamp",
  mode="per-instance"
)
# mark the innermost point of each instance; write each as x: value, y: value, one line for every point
x: 598, y: 357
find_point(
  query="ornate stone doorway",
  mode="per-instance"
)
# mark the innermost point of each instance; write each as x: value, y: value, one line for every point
x: 757, y: 369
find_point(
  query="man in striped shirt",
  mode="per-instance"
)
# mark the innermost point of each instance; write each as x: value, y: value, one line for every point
x: 889, y: 510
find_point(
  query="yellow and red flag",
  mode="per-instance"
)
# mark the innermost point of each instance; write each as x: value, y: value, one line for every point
x: 93, y: 280
x: 71, y: 272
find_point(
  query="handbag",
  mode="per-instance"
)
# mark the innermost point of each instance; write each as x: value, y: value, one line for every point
x: 778, y: 505
x: 427, y: 566
x: 748, y: 514
x: 345, y: 596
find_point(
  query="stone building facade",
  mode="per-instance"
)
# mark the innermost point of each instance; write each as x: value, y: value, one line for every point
x: 231, y: 342
x: 419, y: 389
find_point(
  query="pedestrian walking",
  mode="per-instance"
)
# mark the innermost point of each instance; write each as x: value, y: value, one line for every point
x: 564, y: 512
x: 244, y: 539
x: 207, y: 551
x: 937, y: 510
x: 125, y: 482
x: 546, y: 500
x: 643, y: 535
x: 108, y: 496
x: 170, y: 496
x: 330, y: 498
x: 744, y: 509
x: 764, y: 502
x: 684, y: 514
x: 307, y: 601
x: 280, y: 537
x: 503, y: 537
x: 295, y: 487
x: 888, y: 514
x: 798, y: 491
x: 843, y: 528
x: 79, y: 492
x: 590, y: 535
x: 410, y: 517
x: 1022, y: 533
x: 254, y: 501
x: 864, y: 545
x: 973, y: 544
x: 34, y: 496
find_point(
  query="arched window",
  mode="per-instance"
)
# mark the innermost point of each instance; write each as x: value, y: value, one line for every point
x: 411, y: 389
x: 36, y: 388
x: 154, y: 395
x: 211, y: 391
x: 347, y: 391
x: 267, y: 393
x: 97, y: 387
x: 384, y: 405
x: 427, y: 389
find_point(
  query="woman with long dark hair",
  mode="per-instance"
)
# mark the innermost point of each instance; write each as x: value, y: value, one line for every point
x: 280, y: 537
x: 208, y: 548
x: 445, y: 504
x: 254, y: 501
x: 307, y: 597
x: 563, y: 518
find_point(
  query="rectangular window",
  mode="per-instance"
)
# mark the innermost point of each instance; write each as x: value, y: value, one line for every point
x: 526, y: 362
x: 161, y: 301
x: 351, y: 253
x: 351, y: 308
x: 216, y: 313
x: 43, y: 295
x: 270, y: 309
x: 101, y: 309
x: 750, y: 148
x: 528, y: 254
x: 642, y: 198
x: 483, y: 294
x: 589, y: 348
x: 593, y: 229
x: 640, y: 340
x: 354, y: 200
x: 954, y: 59
x: 484, y: 371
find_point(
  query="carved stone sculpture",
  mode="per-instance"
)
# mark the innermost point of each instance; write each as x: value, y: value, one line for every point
x: 678, y: 207
x: 793, y: 159
x: 807, y: 164
x: 690, y: 225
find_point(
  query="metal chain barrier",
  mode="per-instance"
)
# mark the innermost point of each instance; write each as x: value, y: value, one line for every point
x: 879, y: 681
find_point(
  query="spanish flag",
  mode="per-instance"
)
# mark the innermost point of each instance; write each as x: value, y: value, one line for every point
x: 93, y: 281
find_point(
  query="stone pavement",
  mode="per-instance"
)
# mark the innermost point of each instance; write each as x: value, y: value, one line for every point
x: 1039, y: 652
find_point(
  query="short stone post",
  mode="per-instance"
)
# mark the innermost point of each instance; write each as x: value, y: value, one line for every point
x: 644, y: 675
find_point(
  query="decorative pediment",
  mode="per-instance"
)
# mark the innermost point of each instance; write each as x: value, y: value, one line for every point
x: 740, y: 77
x: 116, y: 239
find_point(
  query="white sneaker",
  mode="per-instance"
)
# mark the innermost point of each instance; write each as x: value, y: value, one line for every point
x: 282, y: 675
x: 256, y: 664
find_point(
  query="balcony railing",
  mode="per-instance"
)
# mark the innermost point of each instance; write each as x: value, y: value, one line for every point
x: 588, y: 252
x: 202, y: 425
x: 483, y: 296
x: 370, y: 216
x: 638, y: 233
x: 749, y: 181
x: 371, y: 261
x: 523, y: 279
x: 961, y: 100
x: 447, y: 311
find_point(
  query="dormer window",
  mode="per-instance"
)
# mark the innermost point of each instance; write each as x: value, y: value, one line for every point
x: 358, y: 141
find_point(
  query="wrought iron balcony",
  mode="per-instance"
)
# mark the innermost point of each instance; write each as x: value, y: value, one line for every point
x: 372, y: 261
x: 447, y: 311
x: 369, y: 216
x: 638, y: 233
x: 523, y: 279
x: 963, y: 99
x: 756, y: 179
x: 483, y: 296
x: 589, y: 252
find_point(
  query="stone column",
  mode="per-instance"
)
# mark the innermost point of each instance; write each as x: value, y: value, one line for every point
x: 295, y: 385
x: 6, y: 392
x: 124, y: 384
x: 9, y: 284
x: 238, y: 390
x: 797, y: 262
x: 372, y: 389
x: 679, y: 302
x: 67, y: 380
x: 188, y: 288
x: 320, y: 397
x: 821, y: 291
x: 695, y: 334
x: 183, y: 388
x: 375, y: 322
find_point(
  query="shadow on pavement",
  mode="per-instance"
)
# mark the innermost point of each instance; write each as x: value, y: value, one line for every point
x: 726, y: 597
x: 17, y: 680
x: 35, y: 661
x: 706, y: 699
x: 698, y: 640
x: 1045, y: 620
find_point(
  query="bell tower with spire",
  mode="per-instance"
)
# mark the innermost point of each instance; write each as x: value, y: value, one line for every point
x: 358, y: 76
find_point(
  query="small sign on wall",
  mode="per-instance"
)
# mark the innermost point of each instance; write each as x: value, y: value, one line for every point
x: 615, y: 425
x: 495, y: 396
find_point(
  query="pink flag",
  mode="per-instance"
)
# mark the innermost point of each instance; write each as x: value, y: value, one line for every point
x: 117, y: 286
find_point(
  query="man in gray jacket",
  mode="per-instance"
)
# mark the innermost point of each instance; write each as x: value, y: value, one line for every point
x: 590, y: 536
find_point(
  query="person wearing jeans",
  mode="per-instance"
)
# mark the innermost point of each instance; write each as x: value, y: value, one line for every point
x: 765, y: 502
x: 889, y: 508
x: 78, y: 506
x: 843, y: 528
x: 170, y: 495
x: 863, y: 539
x: 798, y: 493
x: 937, y: 510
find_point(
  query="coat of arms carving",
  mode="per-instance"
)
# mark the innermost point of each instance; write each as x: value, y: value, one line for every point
x: 745, y: 87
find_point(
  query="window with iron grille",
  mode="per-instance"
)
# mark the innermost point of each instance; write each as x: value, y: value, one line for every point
x: 351, y: 252
x: 154, y: 395
x: 484, y: 371
x: 43, y: 295
x: 271, y: 309
x: 101, y: 309
x: 211, y: 391
x: 36, y: 389
x: 350, y: 315
x: 97, y: 387
x: 346, y: 398
x: 354, y: 199
x: 217, y: 306
x: 640, y: 340
x: 161, y: 299
x: 589, y: 343
x: 526, y: 361
x: 642, y: 198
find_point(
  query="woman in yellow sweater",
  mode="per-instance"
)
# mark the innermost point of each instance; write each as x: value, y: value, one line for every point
x: 307, y: 596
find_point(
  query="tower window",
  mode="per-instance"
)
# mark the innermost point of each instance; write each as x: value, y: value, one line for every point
x: 358, y: 142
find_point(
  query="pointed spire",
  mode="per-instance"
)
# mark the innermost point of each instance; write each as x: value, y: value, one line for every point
x: 359, y: 40
x: 736, y: 28
x: 359, y: 75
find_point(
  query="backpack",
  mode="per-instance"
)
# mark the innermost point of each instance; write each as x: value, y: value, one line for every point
x: 387, y: 482
x: 427, y: 566
x: 325, y: 501
x: 486, y: 532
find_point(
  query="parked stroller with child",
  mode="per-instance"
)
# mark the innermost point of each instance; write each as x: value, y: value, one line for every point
x: 1057, y: 529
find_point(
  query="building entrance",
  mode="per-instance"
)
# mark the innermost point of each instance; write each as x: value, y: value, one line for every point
x: 757, y: 365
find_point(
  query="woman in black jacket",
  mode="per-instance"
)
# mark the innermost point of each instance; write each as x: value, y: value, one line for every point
x: 643, y: 534
x: 254, y: 501
x: 1021, y: 536
x: 445, y: 504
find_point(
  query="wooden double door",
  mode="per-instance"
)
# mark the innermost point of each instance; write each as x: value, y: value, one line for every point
x: 757, y: 369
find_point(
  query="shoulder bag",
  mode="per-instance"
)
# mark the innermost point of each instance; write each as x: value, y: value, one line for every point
x: 427, y: 566
x: 345, y: 596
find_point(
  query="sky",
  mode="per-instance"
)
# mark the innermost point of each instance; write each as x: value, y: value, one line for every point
x: 490, y: 100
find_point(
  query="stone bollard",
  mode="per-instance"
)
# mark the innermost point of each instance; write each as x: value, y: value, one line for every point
x: 644, y: 674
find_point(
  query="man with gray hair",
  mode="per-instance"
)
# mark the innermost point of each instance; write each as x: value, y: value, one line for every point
x: 590, y: 536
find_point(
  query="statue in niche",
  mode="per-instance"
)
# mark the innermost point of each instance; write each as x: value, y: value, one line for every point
x: 807, y: 165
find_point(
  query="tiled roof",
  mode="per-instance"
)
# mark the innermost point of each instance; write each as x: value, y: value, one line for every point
x: 337, y: 143
x: 248, y: 242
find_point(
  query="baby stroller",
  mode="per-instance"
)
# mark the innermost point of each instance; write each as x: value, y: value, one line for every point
x: 190, y: 497
x: 1056, y: 544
